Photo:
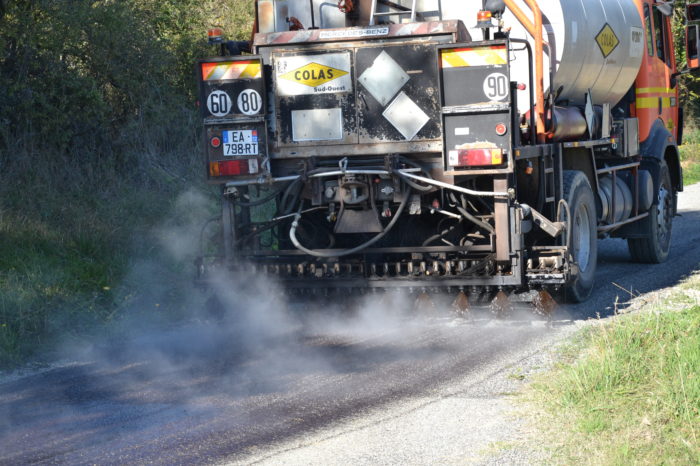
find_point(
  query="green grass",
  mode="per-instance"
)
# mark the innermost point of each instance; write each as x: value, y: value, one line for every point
x: 690, y: 161
x: 690, y: 157
x: 71, y: 237
x: 82, y: 210
x: 628, y: 391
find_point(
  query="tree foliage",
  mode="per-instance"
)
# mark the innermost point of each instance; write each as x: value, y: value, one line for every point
x: 689, y: 84
x: 76, y: 73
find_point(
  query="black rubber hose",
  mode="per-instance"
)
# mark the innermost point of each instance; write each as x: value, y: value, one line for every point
x: 286, y: 207
x: 470, y: 217
x: 260, y: 201
x: 356, y: 249
x: 439, y: 235
x: 478, y: 266
x: 475, y: 220
x: 412, y: 183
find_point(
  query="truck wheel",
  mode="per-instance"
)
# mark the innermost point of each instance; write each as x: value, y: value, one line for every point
x: 657, y: 226
x: 584, y: 235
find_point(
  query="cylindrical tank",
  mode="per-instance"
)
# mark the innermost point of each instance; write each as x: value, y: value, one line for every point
x: 597, y: 45
x: 623, y: 199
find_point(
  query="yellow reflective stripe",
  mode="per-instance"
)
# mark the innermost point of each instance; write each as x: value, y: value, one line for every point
x: 231, y: 70
x: 653, y: 102
x: 495, y: 57
x: 655, y: 90
x: 455, y: 58
x: 251, y: 71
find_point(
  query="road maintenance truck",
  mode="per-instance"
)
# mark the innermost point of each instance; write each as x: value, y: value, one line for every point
x: 478, y: 147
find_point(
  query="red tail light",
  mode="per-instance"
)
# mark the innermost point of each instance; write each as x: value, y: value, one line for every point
x: 475, y: 157
x: 233, y: 167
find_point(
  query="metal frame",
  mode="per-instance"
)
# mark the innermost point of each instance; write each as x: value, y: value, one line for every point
x: 472, y: 109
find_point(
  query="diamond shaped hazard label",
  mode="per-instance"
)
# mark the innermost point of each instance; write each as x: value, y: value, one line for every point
x: 607, y: 40
x: 384, y: 78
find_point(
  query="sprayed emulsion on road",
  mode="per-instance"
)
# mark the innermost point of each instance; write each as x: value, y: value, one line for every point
x: 264, y: 372
x: 218, y: 386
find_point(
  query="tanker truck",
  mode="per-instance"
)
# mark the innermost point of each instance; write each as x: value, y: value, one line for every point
x: 481, y: 148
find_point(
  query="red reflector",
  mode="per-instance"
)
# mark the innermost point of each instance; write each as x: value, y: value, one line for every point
x: 233, y: 167
x: 501, y: 129
x: 215, y: 142
x: 475, y: 157
x: 521, y: 86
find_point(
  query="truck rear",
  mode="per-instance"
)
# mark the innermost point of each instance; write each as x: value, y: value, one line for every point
x: 387, y: 146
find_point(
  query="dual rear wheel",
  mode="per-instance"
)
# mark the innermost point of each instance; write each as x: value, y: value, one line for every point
x: 653, y: 247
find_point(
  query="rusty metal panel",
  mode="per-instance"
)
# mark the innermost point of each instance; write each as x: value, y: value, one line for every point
x: 454, y: 28
x: 419, y: 93
x: 306, y: 81
x: 332, y: 150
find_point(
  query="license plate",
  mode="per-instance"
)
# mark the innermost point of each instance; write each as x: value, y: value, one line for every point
x: 242, y: 142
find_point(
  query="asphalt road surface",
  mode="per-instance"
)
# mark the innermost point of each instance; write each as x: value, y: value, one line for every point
x: 381, y: 387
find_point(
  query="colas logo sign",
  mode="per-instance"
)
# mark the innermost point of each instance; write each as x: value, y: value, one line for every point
x: 313, y: 74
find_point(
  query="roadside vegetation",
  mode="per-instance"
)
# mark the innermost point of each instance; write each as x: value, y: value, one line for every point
x: 690, y: 157
x: 99, y: 136
x: 628, y: 390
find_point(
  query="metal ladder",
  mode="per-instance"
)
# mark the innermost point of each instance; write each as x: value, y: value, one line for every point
x: 401, y: 11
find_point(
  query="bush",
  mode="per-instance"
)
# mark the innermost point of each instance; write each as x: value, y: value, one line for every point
x: 99, y: 134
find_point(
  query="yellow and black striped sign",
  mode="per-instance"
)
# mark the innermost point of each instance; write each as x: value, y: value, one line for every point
x: 218, y: 71
x: 478, y: 56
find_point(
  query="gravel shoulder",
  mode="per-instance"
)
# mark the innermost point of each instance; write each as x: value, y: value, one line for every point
x: 468, y: 421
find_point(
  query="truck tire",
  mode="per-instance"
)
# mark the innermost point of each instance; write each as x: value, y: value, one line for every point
x: 657, y: 226
x: 584, y: 235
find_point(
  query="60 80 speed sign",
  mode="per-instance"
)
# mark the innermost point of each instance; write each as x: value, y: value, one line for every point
x: 219, y: 103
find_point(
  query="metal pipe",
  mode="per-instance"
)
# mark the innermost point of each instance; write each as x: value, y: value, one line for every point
x: 535, y: 30
x: 281, y: 179
x: 313, y: 19
x: 531, y: 87
x: 374, y: 9
x: 446, y: 213
x: 459, y: 189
